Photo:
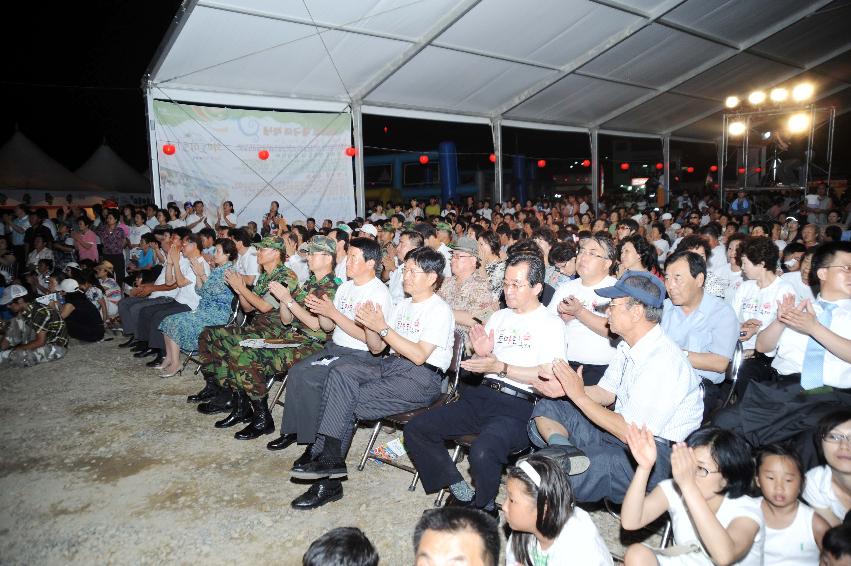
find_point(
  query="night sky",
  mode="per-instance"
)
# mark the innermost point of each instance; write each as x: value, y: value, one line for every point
x: 73, y: 71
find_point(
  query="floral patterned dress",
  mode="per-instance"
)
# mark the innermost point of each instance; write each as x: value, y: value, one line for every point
x: 214, y: 309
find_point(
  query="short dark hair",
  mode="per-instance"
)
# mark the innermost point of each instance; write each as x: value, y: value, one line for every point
x: 525, y: 247
x: 561, y: 252
x: 430, y: 261
x: 181, y: 231
x: 696, y: 264
x: 784, y: 451
x: 629, y: 223
x: 535, y: 263
x: 228, y: 248
x: 645, y: 250
x: 544, y: 234
x: 240, y: 235
x: 455, y: 519
x: 426, y: 229
x: 824, y: 256
x: 731, y: 453
x: 343, y: 546
x: 694, y: 241
x: 149, y: 238
x: 341, y: 236
x: 712, y: 229
x: 491, y: 240
x: 828, y: 423
x: 207, y: 233
x: 760, y: 249
x: 415, y: 238
x: 837, y: 541
x: 371, y: 251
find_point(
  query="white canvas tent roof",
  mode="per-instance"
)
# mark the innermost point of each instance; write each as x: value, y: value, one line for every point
x: 645, y: 66
x: 23, y: 166
x: 107, y: 169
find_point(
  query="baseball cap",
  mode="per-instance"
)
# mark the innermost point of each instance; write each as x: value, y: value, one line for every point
x: 627, y: 287
x: 676, y: 226
x: 466, y: 244
x: 69, y: 285
x: 11, y: 293
x: 369, y: 229
x: 666, y: 216
x: 270, y: 242
x: 74, y: 264
x: 322, y: 244
x: 345, y: 228
x: 387, y: 227
x: 444, y: 226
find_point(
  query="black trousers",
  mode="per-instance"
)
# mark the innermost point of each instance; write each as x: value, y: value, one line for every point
x: 498, y: 419
x: 148, y: 324
x: 591, y: 374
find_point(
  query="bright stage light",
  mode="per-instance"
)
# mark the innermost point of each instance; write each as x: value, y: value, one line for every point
x: 779, y: 94
x: 798, y: 123
x: 802, y: 92
x: 756, y: 98
x: 736, y: 128
x: 732, y: 101
x: 766, y: 135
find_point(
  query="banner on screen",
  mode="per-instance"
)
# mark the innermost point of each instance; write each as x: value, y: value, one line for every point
x: 216, y: 159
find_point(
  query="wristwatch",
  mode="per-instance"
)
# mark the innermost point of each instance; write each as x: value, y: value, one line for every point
x: 384, y: 332
x: 290, y: 304
x: 504, y: 373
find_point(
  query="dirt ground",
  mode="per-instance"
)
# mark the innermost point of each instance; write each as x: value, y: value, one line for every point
x: 103, y: 462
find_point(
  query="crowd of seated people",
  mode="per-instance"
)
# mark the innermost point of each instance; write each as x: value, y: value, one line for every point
x: 602, y: 345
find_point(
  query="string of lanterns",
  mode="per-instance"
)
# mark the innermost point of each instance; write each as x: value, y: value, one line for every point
x: 263, y: 154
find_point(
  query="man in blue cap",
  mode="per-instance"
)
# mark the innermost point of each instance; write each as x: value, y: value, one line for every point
x: 650, y: 382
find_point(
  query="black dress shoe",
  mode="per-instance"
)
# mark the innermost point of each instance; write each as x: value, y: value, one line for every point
x: 318, y: 495
x: 156, y: 361
x: 147, y: 353
x: 572, y: 460
x: 453, y: 501
x: 130, y: 342
x: 221, y: 403
x: 261, y: 421
x: 304, y: 459
x: 139, y: 346
x: 282, y: 442
x: 318, y: 469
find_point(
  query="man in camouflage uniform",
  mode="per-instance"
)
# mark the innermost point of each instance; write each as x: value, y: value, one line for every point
x: 36, y: 335
x: 215, y: 344
x: 250, y: 368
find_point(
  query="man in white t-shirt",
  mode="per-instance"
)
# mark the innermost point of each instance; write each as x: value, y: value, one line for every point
x: 420, y: 334
x: 307, y: 378
x: 246, y: 262
x: 810, y: 374
x: 650, y: 382
x: 408, y: 241
x: 197, y: 219
x: 582, y: 309
x: 509, y: 351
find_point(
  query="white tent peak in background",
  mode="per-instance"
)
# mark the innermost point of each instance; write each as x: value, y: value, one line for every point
x: 108, y: 170
x: 24, y: 166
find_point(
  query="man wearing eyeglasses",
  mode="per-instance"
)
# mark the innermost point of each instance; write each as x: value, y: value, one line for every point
x: 510, y: 350
x: 650, y: 382
x: 811, y: 372
x: 581, y: 308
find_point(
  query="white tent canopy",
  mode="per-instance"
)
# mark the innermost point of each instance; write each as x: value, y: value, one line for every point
x: 107, y: 169
x: 648, y: 67
x: 24, y: 166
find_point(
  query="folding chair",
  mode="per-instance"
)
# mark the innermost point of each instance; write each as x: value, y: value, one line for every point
x: 233, y: 320
x: 401, y: 419
x: 667, y: 532
x: 732, y: 375
x: 275, y: 398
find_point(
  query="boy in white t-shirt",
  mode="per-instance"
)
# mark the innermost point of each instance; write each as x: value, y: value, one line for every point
x: 420, y: 334
x: 509, y: 350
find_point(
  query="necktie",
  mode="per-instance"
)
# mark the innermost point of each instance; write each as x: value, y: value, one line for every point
x: 811, y: 373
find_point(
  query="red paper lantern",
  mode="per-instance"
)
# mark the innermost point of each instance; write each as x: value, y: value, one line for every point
x: 169, y: 149
x: 263, y: 154
x: 423, y: 159
x: 542, y: 163
x: 741, y: 170
x: 689, y: 169
x: 713, y: 168
x: 386, y: 129
x: 660, y: 166
x: 351, y: 152
x: 492, y: 157
x: 586, y: 163
x: 624, y: 166
x: 758, y: 169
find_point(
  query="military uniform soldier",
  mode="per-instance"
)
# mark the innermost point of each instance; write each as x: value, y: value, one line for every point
x: 249, y: 368
x: 215, y: 344
x: 36, y: 335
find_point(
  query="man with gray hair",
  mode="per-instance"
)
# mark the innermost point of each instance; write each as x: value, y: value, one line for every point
x: 649, y: 380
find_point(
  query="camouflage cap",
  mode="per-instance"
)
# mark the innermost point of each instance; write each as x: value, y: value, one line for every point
x: 387, y: 227
x: 271, y: 242
x: 444, y: 226
x: 322, y: 244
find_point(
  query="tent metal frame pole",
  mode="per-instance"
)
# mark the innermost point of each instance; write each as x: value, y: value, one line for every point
x: 152, y: 146
x: 496, y: 132
x: 595, y: 170
x: 360, y: 185
x: 666, y: 159
x: 722, y: 159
